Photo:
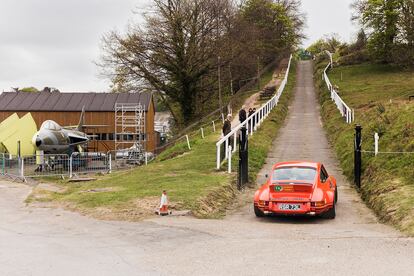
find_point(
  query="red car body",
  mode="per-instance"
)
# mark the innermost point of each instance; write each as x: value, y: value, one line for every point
x: 316, y: 194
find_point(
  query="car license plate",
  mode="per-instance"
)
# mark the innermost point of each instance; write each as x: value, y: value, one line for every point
x: 292, y: 207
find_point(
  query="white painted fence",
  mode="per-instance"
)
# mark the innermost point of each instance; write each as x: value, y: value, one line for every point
x: 344, y: 109
x: 252, y: 122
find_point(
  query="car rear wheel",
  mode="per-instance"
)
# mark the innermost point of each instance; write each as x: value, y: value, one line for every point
x: 258, y: 212
x: 336, y: 195
x: 331, y: 213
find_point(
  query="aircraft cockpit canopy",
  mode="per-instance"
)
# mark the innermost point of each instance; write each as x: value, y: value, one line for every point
x: 50, y: 125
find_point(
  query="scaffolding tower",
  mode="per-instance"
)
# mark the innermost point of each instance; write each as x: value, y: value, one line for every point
x: 130, y: 127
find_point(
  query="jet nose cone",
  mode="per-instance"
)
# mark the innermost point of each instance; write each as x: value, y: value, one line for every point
x: 38, y: 142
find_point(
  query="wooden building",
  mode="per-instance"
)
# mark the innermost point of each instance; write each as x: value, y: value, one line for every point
x: 66, y: 108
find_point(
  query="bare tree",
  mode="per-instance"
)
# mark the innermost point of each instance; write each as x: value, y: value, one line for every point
x: 172, y: 54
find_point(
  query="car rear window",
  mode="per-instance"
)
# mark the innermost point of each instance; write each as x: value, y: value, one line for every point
x: 294, y: 173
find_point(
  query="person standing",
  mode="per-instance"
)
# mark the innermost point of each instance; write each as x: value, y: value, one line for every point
x: 226, y: 130
x: 242, y: 114
x: 254, y: 120
x: 251, y: 121
x: 227, y: 125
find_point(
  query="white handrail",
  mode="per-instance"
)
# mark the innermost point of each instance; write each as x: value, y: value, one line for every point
x: 344, y: 109
x: 253, y: 121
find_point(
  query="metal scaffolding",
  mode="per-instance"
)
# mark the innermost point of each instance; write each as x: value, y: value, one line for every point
x: 130, y: 132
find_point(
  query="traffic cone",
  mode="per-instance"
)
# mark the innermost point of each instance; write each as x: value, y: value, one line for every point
x: 163, y: 210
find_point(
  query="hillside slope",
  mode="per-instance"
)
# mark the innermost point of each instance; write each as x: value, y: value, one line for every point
x: 379, y: 95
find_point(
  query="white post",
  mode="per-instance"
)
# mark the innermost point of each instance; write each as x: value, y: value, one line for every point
x: 376, y: 138
x: 202, y: 133
x: 218, y: 157
x: 71, y: 166
x: 353, y: 115
x: 226, y: 145
x: 110, y: 163
x: 188, y: 142
x: 214, y: 127
x: 146, y: 158
x: 229, y: 162
x: 234, y: 141
x: 22, y: 167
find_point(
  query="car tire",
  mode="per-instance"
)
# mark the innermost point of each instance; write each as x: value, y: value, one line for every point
x: 336, y: 195
x: 259, y: 213
x: 331, y: 213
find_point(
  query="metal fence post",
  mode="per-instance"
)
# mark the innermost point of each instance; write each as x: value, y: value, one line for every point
x: 71, y: 166
x: 229, y: 162
x: 202, y: 133
x: 21, y: 167
x: 243, y: 173
x: 357, y: 156
x: 110, y: 163
x: 376, y: 140
x: 3, y: 164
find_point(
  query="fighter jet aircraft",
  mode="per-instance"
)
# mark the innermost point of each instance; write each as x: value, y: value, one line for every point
x: 54, y: 139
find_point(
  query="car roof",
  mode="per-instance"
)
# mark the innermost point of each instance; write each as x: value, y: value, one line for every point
x: 308, y: 164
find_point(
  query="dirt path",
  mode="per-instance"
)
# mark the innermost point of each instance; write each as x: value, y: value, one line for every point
x: 253, y: 100
x: 37, y: 241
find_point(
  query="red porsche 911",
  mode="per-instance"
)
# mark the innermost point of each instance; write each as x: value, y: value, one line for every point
x: 297, y: 188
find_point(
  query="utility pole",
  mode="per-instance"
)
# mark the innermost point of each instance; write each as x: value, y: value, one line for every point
x: 258, y: 74
x: 219, y: 85
x: 231, y: 80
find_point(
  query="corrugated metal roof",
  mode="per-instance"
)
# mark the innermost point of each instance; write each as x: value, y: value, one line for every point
x: 47, y: 101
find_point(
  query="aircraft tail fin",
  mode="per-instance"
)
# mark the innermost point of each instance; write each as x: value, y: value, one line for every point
x: 81, y: 119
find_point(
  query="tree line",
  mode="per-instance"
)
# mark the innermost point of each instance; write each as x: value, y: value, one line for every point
x: 386, y: 34
x: 196, y: 53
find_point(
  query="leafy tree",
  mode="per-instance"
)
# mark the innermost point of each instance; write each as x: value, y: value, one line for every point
x: 30, y: 89
x: 390, y: 25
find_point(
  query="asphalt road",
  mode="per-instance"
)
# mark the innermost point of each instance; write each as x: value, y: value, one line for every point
x: 41, y: 241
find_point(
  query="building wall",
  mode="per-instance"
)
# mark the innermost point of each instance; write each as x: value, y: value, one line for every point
x: 91, y: 118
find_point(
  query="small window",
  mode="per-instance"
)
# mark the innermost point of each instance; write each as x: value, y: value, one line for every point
x: 104, y: 136
x: 111, y: 136
x: 324, y: 175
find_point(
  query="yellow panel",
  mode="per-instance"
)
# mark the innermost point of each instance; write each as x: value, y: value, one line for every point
x: 8, y: 128
x: 12, y: 119
x: 23, y: 131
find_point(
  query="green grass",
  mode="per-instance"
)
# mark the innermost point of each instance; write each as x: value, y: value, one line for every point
x: 379, y: 95
x: 189, y: 176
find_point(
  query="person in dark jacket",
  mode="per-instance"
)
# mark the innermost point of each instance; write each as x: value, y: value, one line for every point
x: 242, y: 115
x: 254, y: 121
x: 226, y: 130
x: 227, y: 125
x: 250, y: 122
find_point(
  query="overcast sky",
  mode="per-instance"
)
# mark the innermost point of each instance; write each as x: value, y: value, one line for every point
x: 55, y: 42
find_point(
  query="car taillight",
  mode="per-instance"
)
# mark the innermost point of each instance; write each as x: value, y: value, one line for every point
x: 263, y: 203
x: 318, y: 203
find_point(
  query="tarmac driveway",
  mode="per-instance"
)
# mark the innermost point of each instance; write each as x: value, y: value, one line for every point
x: 42, y: 241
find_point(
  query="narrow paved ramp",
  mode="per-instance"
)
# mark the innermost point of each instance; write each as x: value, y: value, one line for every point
x: 37, y: 241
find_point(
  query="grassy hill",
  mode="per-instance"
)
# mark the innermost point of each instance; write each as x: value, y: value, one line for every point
x: 189, y: 176
x: 379, y: 95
